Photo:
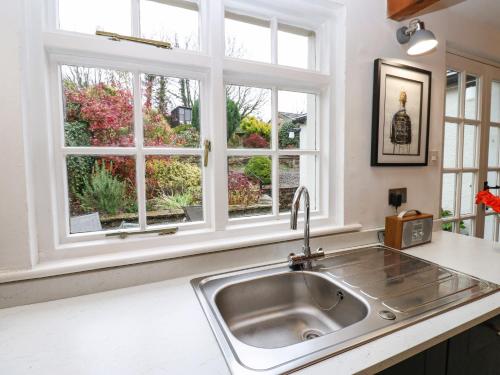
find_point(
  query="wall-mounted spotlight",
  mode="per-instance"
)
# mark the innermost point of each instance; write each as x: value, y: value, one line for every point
x: 418, y: 38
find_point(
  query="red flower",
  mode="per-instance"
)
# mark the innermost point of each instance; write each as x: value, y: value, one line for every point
x: 488, y: 199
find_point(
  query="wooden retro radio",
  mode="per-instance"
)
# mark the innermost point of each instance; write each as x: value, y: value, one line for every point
x: 409, y: 228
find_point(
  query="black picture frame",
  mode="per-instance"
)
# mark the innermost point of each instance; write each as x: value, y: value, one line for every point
x: 421, y: 158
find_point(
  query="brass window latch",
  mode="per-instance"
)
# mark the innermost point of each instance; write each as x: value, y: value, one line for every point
x: 118, y: 37
x: 161, y: 232
x: 207, y: 147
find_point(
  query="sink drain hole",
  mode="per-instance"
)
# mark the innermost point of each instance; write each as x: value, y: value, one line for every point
x: 311, y: 334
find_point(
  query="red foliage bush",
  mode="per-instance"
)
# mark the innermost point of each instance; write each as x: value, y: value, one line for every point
x: 255, y: 140
x: 242, y: 191
x: 107, y: 109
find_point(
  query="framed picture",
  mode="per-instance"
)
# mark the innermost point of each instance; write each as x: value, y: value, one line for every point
x: 401, y: 110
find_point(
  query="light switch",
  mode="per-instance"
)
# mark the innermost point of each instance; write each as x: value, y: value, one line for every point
x: 434, y: 157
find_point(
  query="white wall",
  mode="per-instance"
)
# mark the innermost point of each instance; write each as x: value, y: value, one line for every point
x: 371, y: 35
x: 17, y: 240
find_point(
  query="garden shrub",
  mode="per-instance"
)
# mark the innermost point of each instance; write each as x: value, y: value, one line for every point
x: 171, y: 202
x: 259, y: 167
x: 185, y: 136
x: 252, y: 125
x: 234, y: 141
x: 233, y: 117
x: 172, y: 176
x: 283, y: 136
x: 98, y: 115
x: 448, y: 227
x: 157, y: 130
x: 103, y: 192
x: 108, y: 110
x: 79, y: 167
x: 77, y: 133
x: 255, y: 141
x: 195, y: 120
x: 242, y: 191
x: 123, y: 167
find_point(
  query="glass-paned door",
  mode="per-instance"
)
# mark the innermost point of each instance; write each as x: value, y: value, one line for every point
x: 491, y: 222
x: 460, y: 151
x: 471, y: 146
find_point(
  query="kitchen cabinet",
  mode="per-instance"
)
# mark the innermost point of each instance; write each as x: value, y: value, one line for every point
x: 473, y: 352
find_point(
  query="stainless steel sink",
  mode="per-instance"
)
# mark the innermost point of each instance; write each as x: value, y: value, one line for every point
x: 274, y: 320
x: 286, y: 308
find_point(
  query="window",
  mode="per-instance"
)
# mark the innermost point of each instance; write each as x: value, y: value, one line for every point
x: 460, y: 156
x: 173, y: 21
x: 296, y: 47
x: 247, y: 38
x: 271, y: 149
x: 211, y: 138
x: 471, y: 154
x: 266, y: 40
x: 99, y: 117
x: 492, y: 222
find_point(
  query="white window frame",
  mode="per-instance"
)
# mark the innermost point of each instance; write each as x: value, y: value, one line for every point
x: 51, y: 47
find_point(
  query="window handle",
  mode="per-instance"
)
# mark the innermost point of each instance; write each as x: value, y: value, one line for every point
x: 161, y: 232
x: 207, y: 147
x: 117, y: 37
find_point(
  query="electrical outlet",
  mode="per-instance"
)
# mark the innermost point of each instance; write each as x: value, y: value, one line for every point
x: 394, y: 196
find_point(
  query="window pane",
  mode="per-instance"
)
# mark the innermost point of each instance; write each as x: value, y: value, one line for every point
x: 102, y: 193
x: 452, y: 93
x: 495, y: 101
x: 295, y: 171
x: 249, y: 185
x: 173, y: 189
x: 171, y: 111
x: 98, y: 108
x: 450, y: 145
x: 467, y: 193
x: 296, y: 120
x: 493, y: 147
x: 489, y: 227
x: 248, y: 119
x: 492, y: 178
x: 471, y: 97
x: 448, y: 196
x: 175, y: 24
x: 295, y: 47
x: 448, y: 226
x: 466, y: 227
x: 469, y: 157
x: 91, y: 15
x: 247, y: 38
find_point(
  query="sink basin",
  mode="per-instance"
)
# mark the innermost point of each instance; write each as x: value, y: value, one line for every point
x: 272, y: 320
x: 287, y: 308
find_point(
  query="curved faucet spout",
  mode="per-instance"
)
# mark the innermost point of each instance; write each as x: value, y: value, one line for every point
x: 302, y: 190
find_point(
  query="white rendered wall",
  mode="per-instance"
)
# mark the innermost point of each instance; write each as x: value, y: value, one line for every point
x: 369, y: 35
x: 17, y: 241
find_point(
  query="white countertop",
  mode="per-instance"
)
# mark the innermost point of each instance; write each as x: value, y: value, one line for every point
x: 160, y: 328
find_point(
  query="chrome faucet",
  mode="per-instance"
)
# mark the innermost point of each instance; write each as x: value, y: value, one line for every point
x: 306, y: 255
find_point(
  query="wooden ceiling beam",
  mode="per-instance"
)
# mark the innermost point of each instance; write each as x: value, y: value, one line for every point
x: 402, y: 9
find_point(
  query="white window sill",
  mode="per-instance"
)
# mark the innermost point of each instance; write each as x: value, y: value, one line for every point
x: 67, y: 266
